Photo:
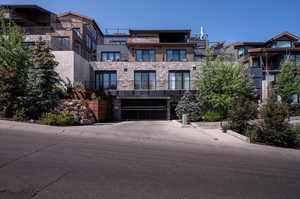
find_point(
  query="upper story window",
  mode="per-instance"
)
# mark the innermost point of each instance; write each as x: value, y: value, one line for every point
x: 106, y: 80
x: 199, y: 57
x: 145, y: 55
x: 92, y: 30
x: 110, y: 56
x: 77, y: 31
x: 144, y: 79
x: 176, y: 55
x: 179, y: 80
x: 282, y: 44
x: 63, y: 40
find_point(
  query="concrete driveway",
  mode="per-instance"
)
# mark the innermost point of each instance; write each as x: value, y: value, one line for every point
x: 146, y: 160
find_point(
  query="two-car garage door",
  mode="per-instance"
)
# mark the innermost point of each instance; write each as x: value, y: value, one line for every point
x: 144, y: 109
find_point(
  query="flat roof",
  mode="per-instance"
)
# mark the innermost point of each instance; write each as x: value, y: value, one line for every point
x: 161, y: 31
x: 27, y: 6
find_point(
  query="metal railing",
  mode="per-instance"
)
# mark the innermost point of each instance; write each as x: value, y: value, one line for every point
x: 172, y: 85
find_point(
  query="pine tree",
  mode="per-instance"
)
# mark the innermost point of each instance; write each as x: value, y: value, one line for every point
x: 188, y: 105
x: 288, y: 83
x: 14, y: 63
x: 42, y: 80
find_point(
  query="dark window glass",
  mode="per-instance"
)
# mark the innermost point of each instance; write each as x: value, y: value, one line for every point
x: 199, y: 57
x: 106, y: 80
x: 63, y: 40
x: 179, y: 80
x: 77, y: 31
x: 144, y: 80
x: 110, y: 56
x: 176, y: 55
x: 145, y: 55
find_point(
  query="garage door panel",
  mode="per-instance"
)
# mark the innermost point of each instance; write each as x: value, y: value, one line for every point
x: 144, y: 109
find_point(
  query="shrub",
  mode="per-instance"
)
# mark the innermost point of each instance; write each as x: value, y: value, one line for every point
x: 78, y: 85
x: 62, y: 118
x: 212, y: 116
x: 21, y: 114
x: 296, y: 130
x: 275, y: 128
x: 188, y: 105
x: 251, y: 133
x: 241, y: 113
x: 93, y: 96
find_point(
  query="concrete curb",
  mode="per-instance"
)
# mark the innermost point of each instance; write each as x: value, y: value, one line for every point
x: 238, y: 136
x: 181, y: 125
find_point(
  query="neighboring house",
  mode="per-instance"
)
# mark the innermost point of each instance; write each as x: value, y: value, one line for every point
x: 264, y: 59
x: 73, y: 37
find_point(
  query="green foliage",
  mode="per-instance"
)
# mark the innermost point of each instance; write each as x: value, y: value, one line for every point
x: 296, y: 130
x: 21, y: 114
x: 275, y: 128
x: 288, y: 83
x: 93, y: 96
x: 62, y: 118
x: 251, y: 134
x: 78, y: 85
x: 42, y: 81
x: 188, y: 105
x: 14, y: 63
x: 241, y: 113
x: 220, y: 81
x: 211, y: 116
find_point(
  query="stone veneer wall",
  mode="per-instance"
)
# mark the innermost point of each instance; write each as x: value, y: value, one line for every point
x: 126, y: 79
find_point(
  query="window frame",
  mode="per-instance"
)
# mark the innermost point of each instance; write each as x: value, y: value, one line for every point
x: 181, y: 72
x: 179, y: 50
x: 143, y: 55
x: 100, y: 85
x: 148, y: 84
x: 108, y: 55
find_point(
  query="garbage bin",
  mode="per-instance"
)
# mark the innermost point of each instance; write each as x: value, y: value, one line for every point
x: 184, y: 119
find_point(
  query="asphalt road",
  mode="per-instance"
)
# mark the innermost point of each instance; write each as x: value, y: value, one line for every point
x: 61, y: 166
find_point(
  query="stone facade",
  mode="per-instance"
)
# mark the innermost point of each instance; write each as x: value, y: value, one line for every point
x: 125, y: 72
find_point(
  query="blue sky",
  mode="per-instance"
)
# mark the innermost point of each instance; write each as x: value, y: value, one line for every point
x: 224, y: 20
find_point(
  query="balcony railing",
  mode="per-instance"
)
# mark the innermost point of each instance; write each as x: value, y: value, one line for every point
x: 172, y: 85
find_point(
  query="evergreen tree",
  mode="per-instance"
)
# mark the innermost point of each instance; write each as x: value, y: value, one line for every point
x: 14, y: 62
x: 275, y: 128
x: 288, y: 83
x: 188, y: 105
x: 42, y: 81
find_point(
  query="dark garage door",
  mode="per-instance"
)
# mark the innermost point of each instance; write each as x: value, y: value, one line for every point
x: 144, y: 109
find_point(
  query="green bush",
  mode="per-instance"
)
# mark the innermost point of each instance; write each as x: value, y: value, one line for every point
x: 212, y: 116
x: 296, y: 130
x: 21, y: 114
x: 251, y: 134
x: 78, y: 85
x: 241, y: 113
x: 93, y: 96
x: 275, y: 128
x: 62, y: 118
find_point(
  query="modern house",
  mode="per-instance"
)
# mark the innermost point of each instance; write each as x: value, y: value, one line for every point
x: 264, y: 59
x: 73, y: 37
x: 147, y: 71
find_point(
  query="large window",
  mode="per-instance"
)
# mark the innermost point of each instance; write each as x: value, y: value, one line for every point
x: 144, y: 80
x: 77, y: 31
x: 176, y: 55
x: 282, y: 44
x: 179, y: 80
x: 110, y: 56
x: 106, y: 80
x: 145, y: 55
x: 63, y: 40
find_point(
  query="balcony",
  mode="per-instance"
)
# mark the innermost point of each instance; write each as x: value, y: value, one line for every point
x: 137, y: 40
